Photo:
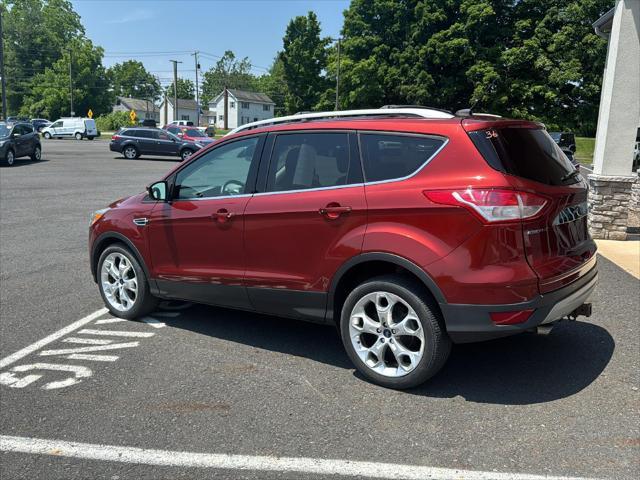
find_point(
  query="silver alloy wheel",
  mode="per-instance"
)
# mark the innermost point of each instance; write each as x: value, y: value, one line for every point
x: 37, y: 153
x: 119, y: 282
x: 186, y: 154
x: 386, y: 334
x: 10, y: 157
x: 47, y: 135
x: 78, y: 136
x: 130, y: 153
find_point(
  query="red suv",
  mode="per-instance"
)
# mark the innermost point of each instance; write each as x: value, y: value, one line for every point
x: 408, y: 229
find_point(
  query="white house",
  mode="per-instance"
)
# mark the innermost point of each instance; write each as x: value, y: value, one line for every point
x: 143, y: 108
x: 187, y: 110
x: 244, y: 107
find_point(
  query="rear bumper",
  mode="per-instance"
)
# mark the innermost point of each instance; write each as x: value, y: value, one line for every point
x: 114, y: 147
x: 472, y: 323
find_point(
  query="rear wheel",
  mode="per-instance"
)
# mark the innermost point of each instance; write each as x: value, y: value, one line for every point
x: 123, y: 284
x: 90, y: 138
x: 10, y: 158
x: 47, y: 135
x: 393, y: 332
x: 130, y: 152
x: 37, y: 154
x: 78, y: 136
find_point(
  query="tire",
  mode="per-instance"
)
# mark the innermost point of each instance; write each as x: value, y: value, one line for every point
x: 90, y: 138
x: 186, y: 153
x: 47, y: 135
x: 114, y: 277
x: 36, y: 156
x: 130, y: 152
x: 10, y: 158
x: 78, y: 136
x: 407, y: 360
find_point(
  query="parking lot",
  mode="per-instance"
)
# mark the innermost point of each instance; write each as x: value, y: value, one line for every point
x: 76, y: 385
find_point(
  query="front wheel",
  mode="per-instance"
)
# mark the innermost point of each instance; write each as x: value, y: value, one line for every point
x: 78, y: 136
x: 10, y: 158
x: 47, y: 135
x: 186, y: 154
x: 123, y: 284
x: 393, y: 333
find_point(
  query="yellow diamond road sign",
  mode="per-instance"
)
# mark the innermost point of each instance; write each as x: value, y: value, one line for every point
x: 132, y: 116
x: 90, y: 113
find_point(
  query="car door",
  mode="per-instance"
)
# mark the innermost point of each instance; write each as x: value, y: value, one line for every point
x: 196, y: 239
x: 56, y: 128
x: 308, y: 218
x: 145, y: 141
x: 166, y: 144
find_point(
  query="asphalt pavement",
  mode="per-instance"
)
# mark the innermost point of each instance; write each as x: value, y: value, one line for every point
x: 77, y: 386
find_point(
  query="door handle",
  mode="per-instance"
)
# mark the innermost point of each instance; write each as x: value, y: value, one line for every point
x: 334, y: 210
x: 222, y: 216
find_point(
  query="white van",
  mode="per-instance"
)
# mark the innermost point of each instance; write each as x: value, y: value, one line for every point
x: 75, y: 127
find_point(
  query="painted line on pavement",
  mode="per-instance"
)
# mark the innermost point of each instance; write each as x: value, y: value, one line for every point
x: 319, y: 466
x: 51, y: 338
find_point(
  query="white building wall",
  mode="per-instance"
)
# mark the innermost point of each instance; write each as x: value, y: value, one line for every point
x: 239, y: 115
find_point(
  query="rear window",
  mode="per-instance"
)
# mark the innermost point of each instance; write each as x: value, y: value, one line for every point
x: 525, y: 152
x: 390, y: 157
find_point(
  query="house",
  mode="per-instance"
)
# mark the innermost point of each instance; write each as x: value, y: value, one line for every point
x: 207, y: 117
x: 243, y: 107
x: 143, y: 108
x: 187, y: 110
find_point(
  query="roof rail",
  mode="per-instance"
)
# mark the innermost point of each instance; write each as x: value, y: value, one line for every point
x: 421, y: 112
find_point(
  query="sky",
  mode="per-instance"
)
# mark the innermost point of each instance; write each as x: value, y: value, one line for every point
x: 156, y: 31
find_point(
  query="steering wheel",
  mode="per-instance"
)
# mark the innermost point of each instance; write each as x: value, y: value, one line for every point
x: 233, y: 182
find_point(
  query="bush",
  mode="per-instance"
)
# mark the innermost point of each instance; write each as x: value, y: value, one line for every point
x: 113, y: 121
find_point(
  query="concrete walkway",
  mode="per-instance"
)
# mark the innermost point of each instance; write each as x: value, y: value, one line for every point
x: 624, y: 254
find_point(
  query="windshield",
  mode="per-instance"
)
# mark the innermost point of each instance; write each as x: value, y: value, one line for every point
x: 556, y: 136
x: 193, y: 132
x: 4, y: 130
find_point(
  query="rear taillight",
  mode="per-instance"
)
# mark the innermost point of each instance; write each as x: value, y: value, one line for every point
x: 491, y: 204
x: 115, y: 137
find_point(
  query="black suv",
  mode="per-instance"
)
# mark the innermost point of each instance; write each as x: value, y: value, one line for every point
x: 18, y: 140
x: 134, y: 142
x: 567, y: 143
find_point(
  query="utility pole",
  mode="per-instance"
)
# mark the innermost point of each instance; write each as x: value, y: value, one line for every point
x: 4, y: 82
x: 226, y: 108
x: 175, y: 88
x: 338, y: 78
x: 195, y: 54
x: 71, y: 82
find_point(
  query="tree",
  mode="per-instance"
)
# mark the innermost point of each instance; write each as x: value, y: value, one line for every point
x: 49, y: 91
x: 131, y: 79
x: 36, y: 33
x: 186, y: 89
x: 229, y: 72
x: 274, y: 84
x: 304, y: 59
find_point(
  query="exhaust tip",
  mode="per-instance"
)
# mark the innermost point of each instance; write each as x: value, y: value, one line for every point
x: 544, y: 329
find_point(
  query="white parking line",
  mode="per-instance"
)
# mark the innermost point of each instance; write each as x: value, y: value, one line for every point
x: 317, y: 466
x: 116, y: 333
x: 51, y: 338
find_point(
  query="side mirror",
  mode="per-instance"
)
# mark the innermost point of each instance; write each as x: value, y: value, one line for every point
x: 158, y: 191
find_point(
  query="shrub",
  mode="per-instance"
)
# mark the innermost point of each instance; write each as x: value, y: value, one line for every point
x: 113, y: 121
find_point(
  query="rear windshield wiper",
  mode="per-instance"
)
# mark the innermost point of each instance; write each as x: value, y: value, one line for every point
x: 570, y: 175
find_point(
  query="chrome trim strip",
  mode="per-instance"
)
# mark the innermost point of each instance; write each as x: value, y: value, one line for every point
x: 219, y: 197
x: 141, y: 222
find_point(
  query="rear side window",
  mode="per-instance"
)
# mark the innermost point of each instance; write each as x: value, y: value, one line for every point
x: 144, y: 134
x: 390, y: 157
x: 525, y: 152
x: 128, y: 133
x: 302, y: 161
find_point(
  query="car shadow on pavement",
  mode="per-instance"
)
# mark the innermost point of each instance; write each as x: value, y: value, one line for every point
x: 149, y: 159
x: 519, y: 370
x: 23, y: 163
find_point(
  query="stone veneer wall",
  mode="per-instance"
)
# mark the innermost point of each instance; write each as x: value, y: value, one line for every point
x: 634, y: 206
x: 609, y: 202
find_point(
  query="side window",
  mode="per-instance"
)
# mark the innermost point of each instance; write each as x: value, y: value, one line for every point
x: 222, y: 171
x: 18, y: 130
x: 26, y: 129
x: 57, y: 124
x: 162, y: 135
x: 309, y: 160
x: 174, y: 130
x: 388, y: 157
x: 144, y: 134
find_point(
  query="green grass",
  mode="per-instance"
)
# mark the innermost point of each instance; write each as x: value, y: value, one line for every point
x: 584, y: 150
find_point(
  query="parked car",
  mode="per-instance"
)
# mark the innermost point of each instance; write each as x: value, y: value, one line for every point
x: 567, y: 143
x: 40, y: 123
x: 210, y: 131
x: 184, y: 123
x: 72, y: 127
x: 407, y: 228
x: 190, y: 134
x: 636, y: 157
x: 136, y: 141
x: 18, y: 140
x: 149, y: 122
x: 16, y: 119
